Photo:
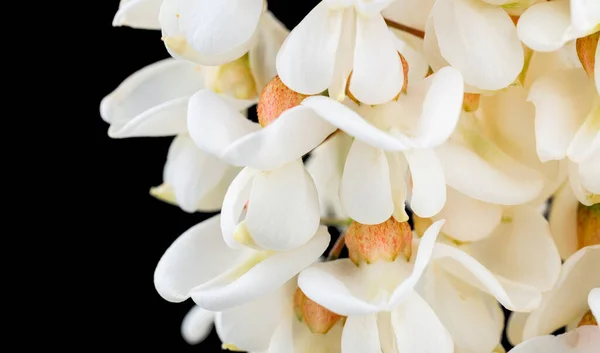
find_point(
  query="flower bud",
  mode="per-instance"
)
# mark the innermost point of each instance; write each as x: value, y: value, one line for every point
x: 588, y: 225
x: 274, y: 99
x: 471, y: 102
x: 588, y: 319
x: 317, y: 318
x: 586, y: 51
x: 385, y: 241
x: 234, y: 79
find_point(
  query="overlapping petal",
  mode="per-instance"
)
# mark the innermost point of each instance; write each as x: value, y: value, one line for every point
x: 582, y: 340
x: 196, y: 325
x: 142, y: 14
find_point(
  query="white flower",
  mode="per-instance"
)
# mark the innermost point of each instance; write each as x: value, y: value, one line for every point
x: 153, y: 102
x: 200, y: 265
x: 585, y: 339
x: 478, y: 39
x: 211, y: 32
x: 373, y: 183
x: 547, y: 26
x: 384, y: 312
x: 142, y: 14
x: 339, y: 37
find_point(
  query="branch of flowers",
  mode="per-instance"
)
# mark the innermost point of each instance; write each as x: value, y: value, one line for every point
x: 403, y: 28
x: 337, y: 248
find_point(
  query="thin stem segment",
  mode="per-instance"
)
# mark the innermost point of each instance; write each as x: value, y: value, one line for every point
x: 403, y: 28
x: 337, y: 248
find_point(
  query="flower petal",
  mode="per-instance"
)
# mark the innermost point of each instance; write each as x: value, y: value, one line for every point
x: 594, y: 302
x: 377, y: 76
x: 306, y: 60
x: 585, y: 16
x: 543, y: 27
x: 283, y: 210
x: 152, y: 101
x: 480, y: 40
x: 562, y: 99
x: 262, y: 278
x: 582, y: 340
x: 586, y: 142
x: 514, y: 327
x: 428, y: 183
x: 398, y: 170
x: 418, y: 329
x: 196, y: 325
x: 585, y: 196
x: 234, y: 202
x: 365, y: 189
x: 271, y: 34
x: 411, y: 48
x: 142, y: 14
x: 568, y: 301
x: 468, y: 219
x: 344, y: 57
x: 197, y: 256
x: 411, y: 13
x: 431, y: 47
x: 361, y: 335
x: 563, y: 221
x: 233, y: 22
x: 589, y: 172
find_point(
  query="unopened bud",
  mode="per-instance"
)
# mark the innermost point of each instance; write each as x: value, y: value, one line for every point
x: 588, y: 319
x: 234, y: 79
x: 471, y: 102
x: 586, y: 51
x: 274, y: 99
x: 385, y: 241
x: 588, y: 225
x: 317, y: 318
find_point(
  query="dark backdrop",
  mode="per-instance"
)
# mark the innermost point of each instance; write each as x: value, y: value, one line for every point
x: 135, y: 229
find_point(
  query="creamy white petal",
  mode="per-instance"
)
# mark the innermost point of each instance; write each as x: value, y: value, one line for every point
x: 377, y: 76
x: 371, y: 8
x: 283, y: 209
x: 428, y: 183
x: 568, y: 301
x: 585, y: 16
x: 541, y: 63
x: 594, y: 302
x: 344, y: 57
x: 354, y: 125
x: 235, y: 200
x: 562, y: 99
x: 142, y: 14
x: 431, y: 47
x: 360, y: 334
x: 411, y: 48
x: 283, y: 338
x: 411, y: 13
x: 585, y: 196
x: 584, y: 339
x: 151, y: 102
x: 468, y: 219
x: 196, y: 325
x: 480, y: 40
x: 563, y: 221
x: 192, y: 173
x: 365, y: 189
x: 589, y: 172
x: 514, y: 327
x: 586, y: 142
x: 232, y: 289
x: 197, y: 256
x: 220, y: 31
x: 543, y: 27
x: 398, y: 178
x: 306, y: 60
x: 418, y: 329
x: 271, y: 34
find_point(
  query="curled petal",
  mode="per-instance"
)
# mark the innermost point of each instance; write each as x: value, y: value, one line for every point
x: 142, y: 14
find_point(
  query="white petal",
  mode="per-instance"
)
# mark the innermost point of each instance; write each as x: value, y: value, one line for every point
x: 344, y: 57
x: 220, y: 31
x: 365, y: 189
x: 262, y: 278
x: 584, y: 339
x: 514, y: 327
x: 196, y: 325
x: 197, y: 256
x: 589, y: 172
x: 428, y: 183
x: 513, y: 296
x: 585, y: 196
x: 377, y: 76
x: 468, y: 219
x: 306, y: 60
x: 563, y: 221
x: 152, y: 101
x: 142, y: 14
x: 543, y: 26
x: 585, y: 15
x: 562, y: 100
x: 398, y: 178
x: 271, y: 34
x: 360, y: 335
x: 411, y: 13
x: 568, y: 301
x: 411, y: 48
x: 234, y: 202
x: 489, y: 175
x: 541, y: 63
x: 586, y: 142
x: 480, y: 40
x: 594, y: 302
x: 283, y: 210
x: 352, y: 123
x: 431, y: 47
x: 418, y: 329
x: 283, y: 338
x: 521, y: 249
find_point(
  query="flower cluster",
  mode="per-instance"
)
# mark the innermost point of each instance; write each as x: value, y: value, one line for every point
x: 435, y: 134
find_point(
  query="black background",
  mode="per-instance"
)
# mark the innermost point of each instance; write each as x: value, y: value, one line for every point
x: 135, y: 229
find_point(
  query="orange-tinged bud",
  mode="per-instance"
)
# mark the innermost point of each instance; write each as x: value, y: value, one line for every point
x: 471, y: 102
x: 274, y: 99
x: 588, y: 319
x: 317, y: 318
x: 586, y: 51
x: 588, y: 225
x: 385, y: 241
